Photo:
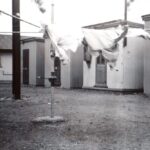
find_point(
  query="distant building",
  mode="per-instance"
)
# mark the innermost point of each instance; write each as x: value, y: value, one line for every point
x: 68, y: 75
x: 146, y: 19
x: 5, y: 58
x: 32, y: 60
x: 128, y: 71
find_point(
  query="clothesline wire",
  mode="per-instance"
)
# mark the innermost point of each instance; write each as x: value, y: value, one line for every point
x: 13, y: 16
x: 18, y: 32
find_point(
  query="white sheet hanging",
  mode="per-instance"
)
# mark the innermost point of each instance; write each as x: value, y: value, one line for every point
x: 99, y: 40
x: 105, y: 40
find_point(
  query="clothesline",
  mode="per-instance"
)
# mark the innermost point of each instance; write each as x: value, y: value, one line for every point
x: 13, y: 16
x: 20, y: 32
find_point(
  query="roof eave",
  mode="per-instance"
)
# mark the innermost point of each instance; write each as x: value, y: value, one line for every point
x: 114, y: 23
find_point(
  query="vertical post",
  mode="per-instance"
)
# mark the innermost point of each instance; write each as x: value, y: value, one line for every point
x: 52, y: 22
x: 16, y: 84
x: 125, y: 10
x: 53, y: 59
x: 52, y: 101
x: 125, y: 19
x: 52, y: 13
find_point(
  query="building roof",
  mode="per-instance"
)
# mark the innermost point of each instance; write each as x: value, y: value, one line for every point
x: 31, y: 39
x: 6, y: 41
x: 114, y: 23
x: 146, y: 17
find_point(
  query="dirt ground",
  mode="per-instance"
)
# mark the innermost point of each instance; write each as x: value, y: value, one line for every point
x: 94, y: 121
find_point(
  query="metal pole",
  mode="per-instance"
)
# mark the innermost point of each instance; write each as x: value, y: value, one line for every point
x: 16, y: 85
x: 125, y: 10
x: 52, y: 22
x: 52, y: 13
x: 53, y: 58
x: 52, y: 102
x: 125, y: 19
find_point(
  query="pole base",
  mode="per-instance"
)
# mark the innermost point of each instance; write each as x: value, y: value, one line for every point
x: 48, y: 119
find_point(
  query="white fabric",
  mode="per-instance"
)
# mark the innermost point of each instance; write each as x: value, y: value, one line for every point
x: 68, y: 43
x: 97, y: 40
x: 63, y: 43
x: 101, y: 39
x: 59, y: 50
x: 136, y: 32
x: 104, y: 39
x: 110, y: 56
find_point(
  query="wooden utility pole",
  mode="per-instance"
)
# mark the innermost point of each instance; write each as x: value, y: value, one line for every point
x: 16, y: 81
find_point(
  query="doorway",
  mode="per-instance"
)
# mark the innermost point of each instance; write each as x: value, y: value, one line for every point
x: 57, y: 70
x: 26, y: 66
x: 101, y: 67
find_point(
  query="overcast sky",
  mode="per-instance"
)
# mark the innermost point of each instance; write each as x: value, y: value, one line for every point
x: 74, y: 13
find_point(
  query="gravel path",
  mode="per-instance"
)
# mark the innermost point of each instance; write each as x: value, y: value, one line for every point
x: 94, y: 121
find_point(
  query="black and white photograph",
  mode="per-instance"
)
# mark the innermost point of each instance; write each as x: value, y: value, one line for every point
x: 74, y: 74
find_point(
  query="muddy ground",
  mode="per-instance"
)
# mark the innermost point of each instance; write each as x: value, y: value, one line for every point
x: 94, y: 121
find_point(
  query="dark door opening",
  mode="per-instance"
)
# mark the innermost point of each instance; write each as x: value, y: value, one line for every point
x: 101, y: 71
x: 26, y: 66
x: 57, y: 70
